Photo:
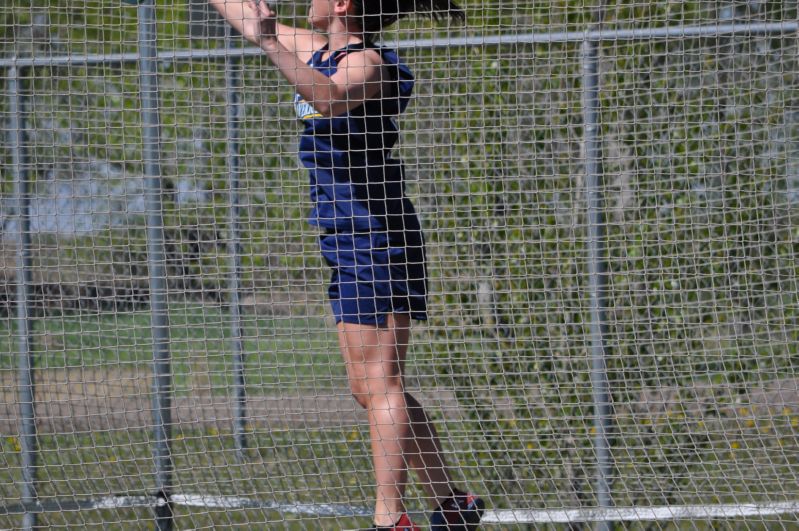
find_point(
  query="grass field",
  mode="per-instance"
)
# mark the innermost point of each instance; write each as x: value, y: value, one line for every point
x: 278, y: 351
x: 288, y: 466
x: 89, y: 454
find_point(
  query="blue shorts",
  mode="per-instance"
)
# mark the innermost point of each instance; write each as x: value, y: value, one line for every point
x: 375, y: 274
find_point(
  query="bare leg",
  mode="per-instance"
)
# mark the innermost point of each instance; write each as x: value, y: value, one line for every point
x: 424, y: 453
x: 426, y: 458
x: 401, y: 434
x: 374, y: 369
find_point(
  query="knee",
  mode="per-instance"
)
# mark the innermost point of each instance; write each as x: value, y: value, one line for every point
x: 362, y: 400
x: 369, y: 396
x: 360, y: 393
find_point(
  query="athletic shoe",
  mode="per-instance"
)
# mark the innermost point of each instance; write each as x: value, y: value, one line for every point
x: 404, y: 524
x: 461, y: 513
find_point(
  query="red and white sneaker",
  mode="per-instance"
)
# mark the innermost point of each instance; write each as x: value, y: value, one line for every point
x: 459, y: 513
x: 403, y: 524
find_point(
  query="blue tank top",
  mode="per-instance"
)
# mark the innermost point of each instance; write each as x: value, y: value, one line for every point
x: 356, y: 184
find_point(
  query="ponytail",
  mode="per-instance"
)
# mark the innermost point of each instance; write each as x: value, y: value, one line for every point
x: 379, y: 14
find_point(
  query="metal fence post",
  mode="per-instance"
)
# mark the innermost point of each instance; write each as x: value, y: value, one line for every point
x: 156, y: 261
x: 27, y: 435
x: 234, y: 113
x: 597, y: 272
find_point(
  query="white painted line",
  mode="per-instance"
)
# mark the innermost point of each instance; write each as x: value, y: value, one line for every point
x: 632, y: 514
x: 501, y: 516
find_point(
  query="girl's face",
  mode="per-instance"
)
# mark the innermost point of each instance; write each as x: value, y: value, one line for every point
x: 319, y: 13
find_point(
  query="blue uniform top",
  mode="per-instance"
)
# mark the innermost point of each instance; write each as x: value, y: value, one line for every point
x: 356, y: 184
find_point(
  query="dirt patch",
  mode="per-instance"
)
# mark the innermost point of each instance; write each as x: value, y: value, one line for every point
x: 695, y: 400
x: 95, y: 399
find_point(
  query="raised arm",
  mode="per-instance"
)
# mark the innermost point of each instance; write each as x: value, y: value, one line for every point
x: 243, y: 17
x: 360, y: 74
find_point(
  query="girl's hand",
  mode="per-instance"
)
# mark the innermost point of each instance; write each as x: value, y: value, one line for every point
x: 266, y: 20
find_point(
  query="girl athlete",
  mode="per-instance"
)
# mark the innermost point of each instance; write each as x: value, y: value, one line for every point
x: 349, y: 93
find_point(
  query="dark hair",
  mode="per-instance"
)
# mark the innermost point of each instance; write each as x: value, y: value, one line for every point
x: 379, y: 14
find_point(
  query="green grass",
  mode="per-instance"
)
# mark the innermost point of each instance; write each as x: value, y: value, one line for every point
x: 286, y: 466
x: 278, y: 351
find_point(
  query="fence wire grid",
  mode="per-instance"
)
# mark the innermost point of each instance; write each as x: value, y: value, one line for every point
x: 608, y: 192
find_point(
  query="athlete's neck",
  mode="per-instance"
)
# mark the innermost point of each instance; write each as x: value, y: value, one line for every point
x: 341, y: 34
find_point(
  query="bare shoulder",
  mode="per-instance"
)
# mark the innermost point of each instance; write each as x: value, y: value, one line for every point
x: 365, y: 57
x: 368, y: 59
x: 364, y: 66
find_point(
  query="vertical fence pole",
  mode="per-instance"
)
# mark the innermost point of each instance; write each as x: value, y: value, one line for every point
x: 156, y: 261
x: 597, y: 273
x: 234, y: 112
x: 27, y: 436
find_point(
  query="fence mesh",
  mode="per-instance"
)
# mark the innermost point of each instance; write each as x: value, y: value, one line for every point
x: 700, y: 180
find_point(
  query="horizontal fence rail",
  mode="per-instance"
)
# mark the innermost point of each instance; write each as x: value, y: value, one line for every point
x: 605, y: 35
